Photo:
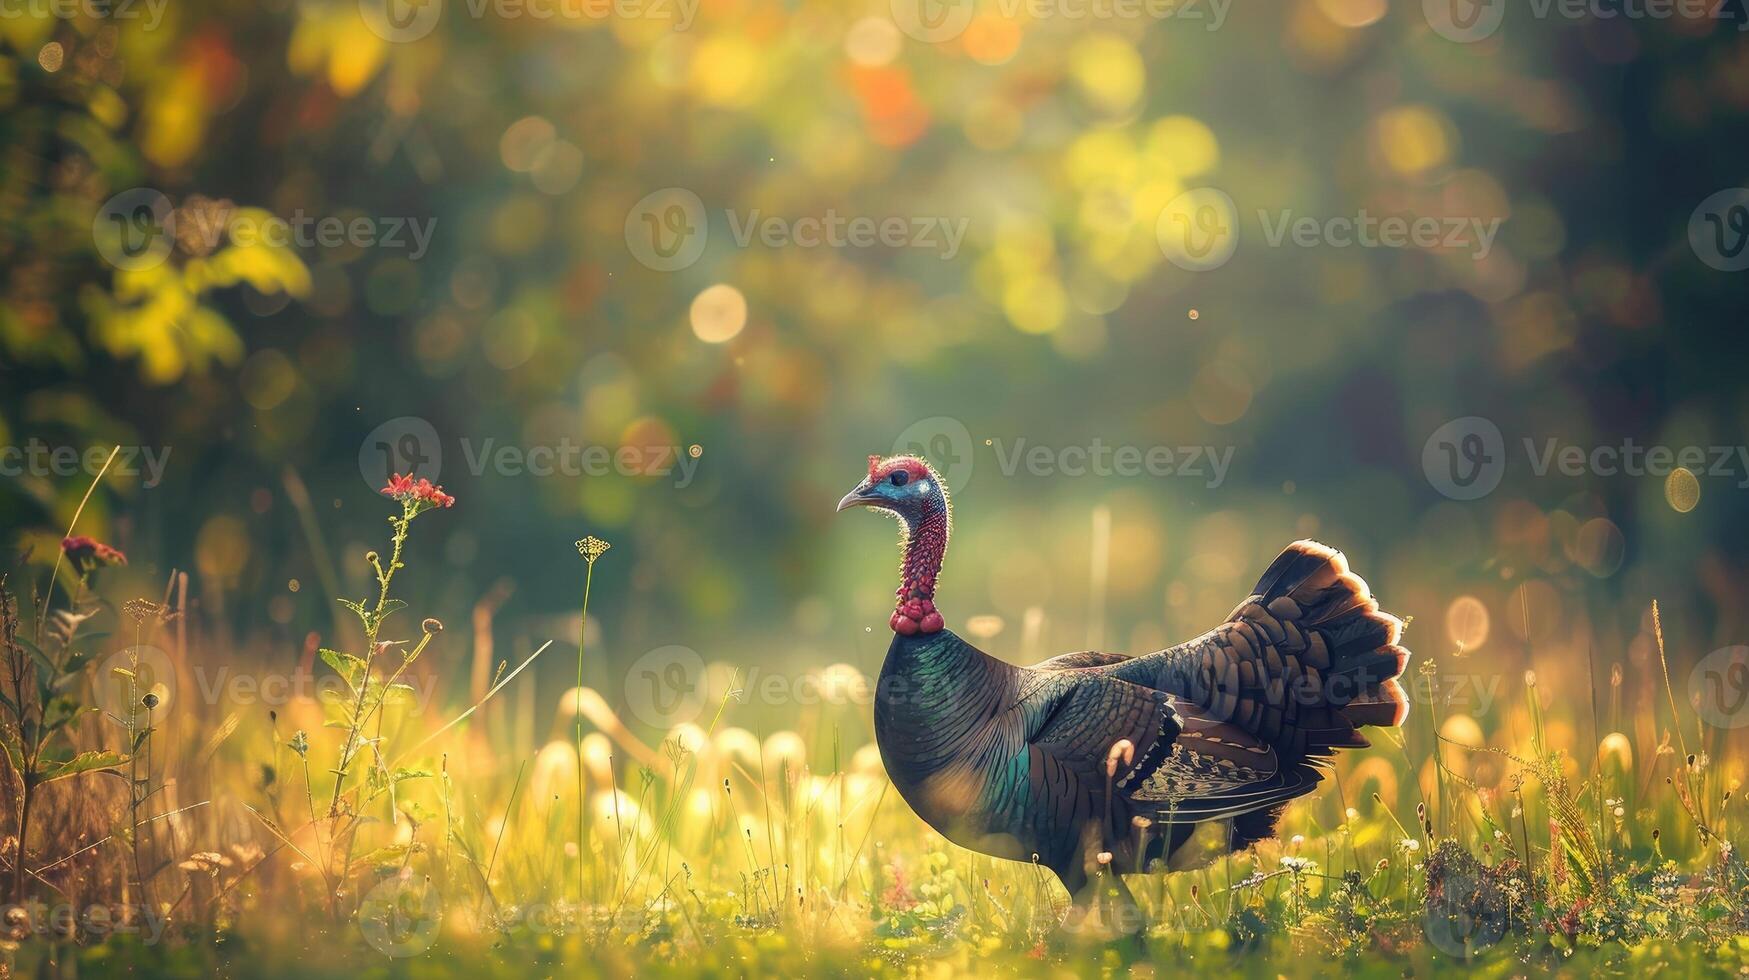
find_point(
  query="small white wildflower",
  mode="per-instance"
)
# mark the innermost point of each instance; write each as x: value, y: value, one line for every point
x: 1409, y: 844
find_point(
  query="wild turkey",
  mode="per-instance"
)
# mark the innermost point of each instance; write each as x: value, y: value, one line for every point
x: 1054, y: 763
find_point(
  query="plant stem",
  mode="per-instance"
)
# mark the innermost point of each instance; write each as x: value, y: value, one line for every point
x: 61, y: 554
x: 577, y: 707
x: 23, y: 835
x: 384, y: 577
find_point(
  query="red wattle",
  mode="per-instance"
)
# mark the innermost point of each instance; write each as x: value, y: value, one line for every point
x: 925, y: 545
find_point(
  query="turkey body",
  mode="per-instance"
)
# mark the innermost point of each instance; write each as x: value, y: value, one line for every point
x: 1054, y: 763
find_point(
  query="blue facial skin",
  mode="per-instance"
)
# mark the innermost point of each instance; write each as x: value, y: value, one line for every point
x: 898, y: 492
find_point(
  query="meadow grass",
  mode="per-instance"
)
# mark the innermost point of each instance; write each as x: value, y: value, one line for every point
x: 365, y: 831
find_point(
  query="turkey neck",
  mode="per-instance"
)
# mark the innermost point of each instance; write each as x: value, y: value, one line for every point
x: 925, y: 546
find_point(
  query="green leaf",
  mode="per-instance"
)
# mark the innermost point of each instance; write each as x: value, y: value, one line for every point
x: 350, y: 668
x: 61, y: 711
x: 91, y: 761
x: 393, y: 853
x: 401, y: 774
x: 14, y: 752
x: 358, y: 609
x: 45, y: 668
x: 373, y: 620
x: 400, y: 694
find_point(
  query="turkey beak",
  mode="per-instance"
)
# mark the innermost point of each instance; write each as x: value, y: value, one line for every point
x: 862, y: 496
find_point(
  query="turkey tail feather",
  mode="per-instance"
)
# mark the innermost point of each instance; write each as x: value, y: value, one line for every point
x: 1305, y: 660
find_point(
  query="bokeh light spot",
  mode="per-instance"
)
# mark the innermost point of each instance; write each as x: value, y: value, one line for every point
x: 719, y: 313
x: 1183, y: 145
x: 523, y: 142
x: 1221, y: 393
x: 1682, y: 490
x: 1467, y: 623
x: 1353, y: 13
x: 872, y: 41
x: 1413, y: 139
x: 1108, y: 71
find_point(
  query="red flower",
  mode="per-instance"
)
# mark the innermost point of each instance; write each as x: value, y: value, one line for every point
x: 88, y: 553
x: 422, y: 493
x: 432, y: 495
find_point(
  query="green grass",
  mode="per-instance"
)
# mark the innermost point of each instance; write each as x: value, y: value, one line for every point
x: 712, y: 849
